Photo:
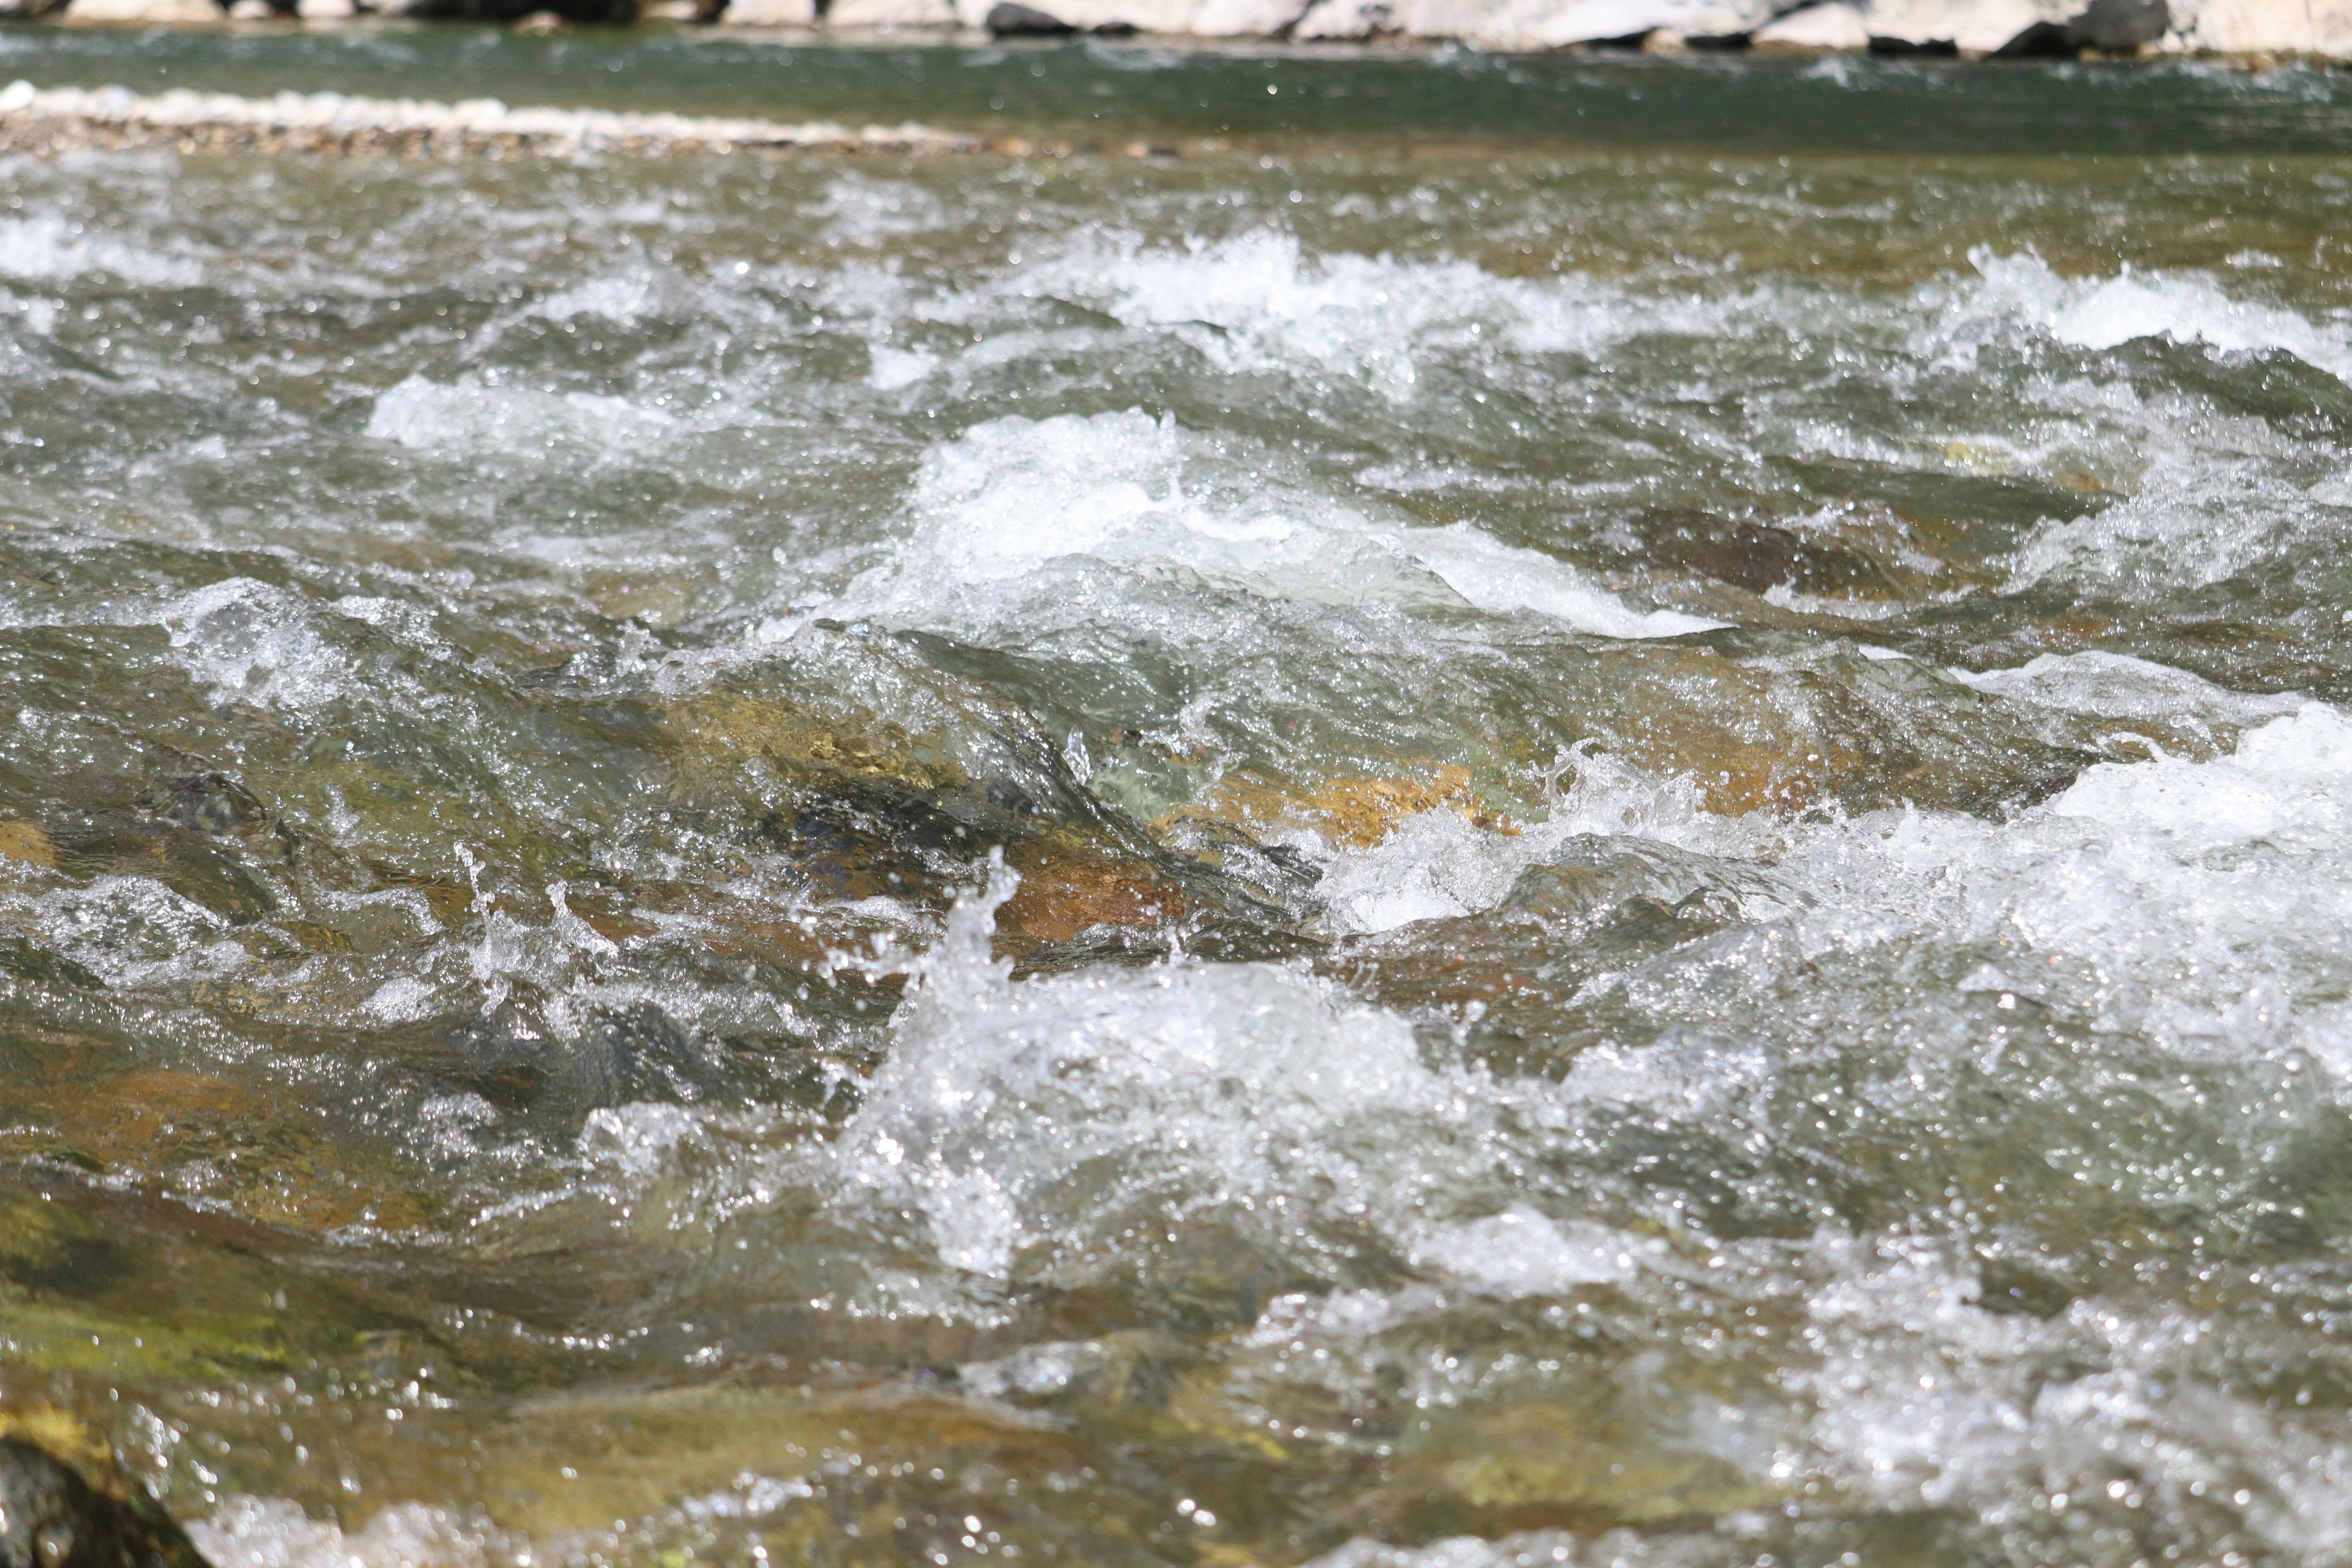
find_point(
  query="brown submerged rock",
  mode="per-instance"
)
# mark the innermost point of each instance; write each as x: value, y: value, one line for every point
x: 1357, y: 812
x: 24, y: 841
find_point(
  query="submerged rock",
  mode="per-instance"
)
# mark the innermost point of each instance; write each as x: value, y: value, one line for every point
x: 24, y: 841
x: 208, y: 803
x: 515, y: 1058
x: 51, y: 1517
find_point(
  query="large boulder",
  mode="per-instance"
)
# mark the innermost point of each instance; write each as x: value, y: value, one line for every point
x: 1815, y: 28
x: 2263, y: 26
x: 1008, y: 20
x: 2118, y: 25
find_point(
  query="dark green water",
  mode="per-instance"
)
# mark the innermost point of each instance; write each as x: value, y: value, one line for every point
x: 1097, y: 88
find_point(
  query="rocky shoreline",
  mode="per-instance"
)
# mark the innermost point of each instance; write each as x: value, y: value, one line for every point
x: 60, y: 120
x: 2256, y: 31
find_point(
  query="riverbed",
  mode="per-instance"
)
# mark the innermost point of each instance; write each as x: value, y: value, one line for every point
x: 1399, y: 810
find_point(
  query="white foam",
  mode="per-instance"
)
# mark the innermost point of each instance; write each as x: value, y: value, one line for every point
x: 1259, y: 302
x: 2288, y: 785
x: 1038, y: 1371
x: 1434, y: 864
x: 637, y: 1140
x: 1908, y: 1393
x: 1256, y: 302
x: 1028, y: 1123
x: 2118, y: 686
x: 403, y: 999
x: 254, y: 642
x: 1054, y: 1128
x: 895, y: 368
x: 2202, y: 902
x: 1521, y: 1252
x: 471, y: 415
x: 860, y: 210
x: 1506, y: 577
x: 135, y: 932
x: 622, y: 297
x: 49, y: 247
x: 260, y: 1532
x: 1619, y: 1548
x: 1923, y: 1398
x: 2104, y: 313
x: 994, y: 508
x: 1438, y: 864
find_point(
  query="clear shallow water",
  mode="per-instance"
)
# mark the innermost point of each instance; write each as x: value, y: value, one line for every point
x: 1678, y: 813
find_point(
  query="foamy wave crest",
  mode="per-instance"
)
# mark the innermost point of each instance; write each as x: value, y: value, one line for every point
x: 1258, y: 302
x: 1437, y: 865
x: 1924, y: 1397
x: 1266, y: 305
x: 258, y: 1532
x: 1913, y: 1395
x: 2104, y: 313
x: 255, y: 642
x: 1001, y: 513
x: 1028, y: 1123
x: 468, y: 416
x: 47, y: 247
x: 1059, y: 1129
x: 2200, y: 903
x: 2203, y: 904
x: 2117, y: 686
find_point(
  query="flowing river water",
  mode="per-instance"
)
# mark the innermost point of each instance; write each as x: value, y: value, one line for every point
x: 1542, y: 813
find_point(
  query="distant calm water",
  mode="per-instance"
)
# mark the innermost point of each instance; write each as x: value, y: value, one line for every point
x: 1668, y: 739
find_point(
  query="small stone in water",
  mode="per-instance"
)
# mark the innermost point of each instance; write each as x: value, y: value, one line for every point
x: 209, y: 802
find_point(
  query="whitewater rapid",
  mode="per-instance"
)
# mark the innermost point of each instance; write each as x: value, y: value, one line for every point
x: 1500, y: 855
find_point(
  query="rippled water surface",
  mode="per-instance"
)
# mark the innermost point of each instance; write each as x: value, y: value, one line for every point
x: 1402, y: 851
